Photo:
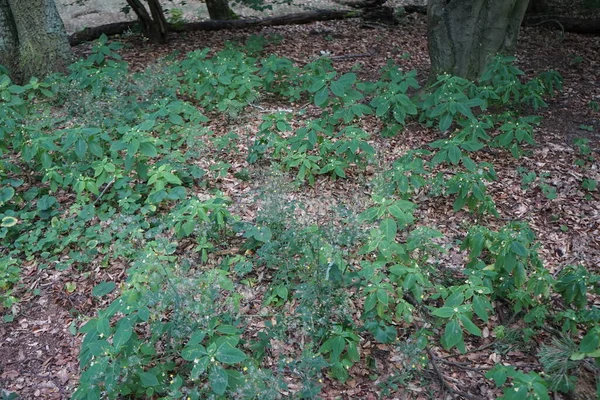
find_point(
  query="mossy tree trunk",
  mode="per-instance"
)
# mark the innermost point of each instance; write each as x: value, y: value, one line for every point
x: 465, y: 35
x: 33, y: 41
x: 220, y: 10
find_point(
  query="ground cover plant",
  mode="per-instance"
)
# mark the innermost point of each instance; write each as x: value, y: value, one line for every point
x: 173, y: 197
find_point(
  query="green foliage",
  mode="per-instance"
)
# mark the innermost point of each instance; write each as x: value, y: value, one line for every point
x: 342, y: 349
x: 9, y: 278
x: 115, y: 166
x: 508, y: 264
x: 528, y: 386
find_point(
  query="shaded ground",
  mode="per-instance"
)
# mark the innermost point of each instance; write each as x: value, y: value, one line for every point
x: 38, y: 353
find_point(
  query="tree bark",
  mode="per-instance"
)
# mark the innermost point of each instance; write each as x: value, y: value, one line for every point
x: 41, y: 44
x: 8, y: 37
x: 220, y: 10
x: 89, y: 34
x: 154, y: 23
x: 465, y: 35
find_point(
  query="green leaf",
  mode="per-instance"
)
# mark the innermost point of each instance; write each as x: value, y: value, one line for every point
x: 445, y: 122
x: 103, y: 289
x: 217, y: 376
x: 443, y: 312
x: 389, y: 228
x: 368, y: 215
x: 6, y: 193
x: 498, y: 375
x: 229, y: 355
x: 123, y: 333
x: 8, y: 222
x: 385, y: 334
x: 452, y: 334
x: 46, y: 202
x: 81, y: 147
x: 171, y: 178
x: 469, y: 325
x: 519, y: 249
x: 193, y: 351
x: 337, y: 347
x: 590, y: 342
x: 321, y: 97
x: 480, y: 308
x: 454, y: 154
x: 148, y: 149
x: 262, y: 234
x: 200, y: 366
x: 382, y: 296
x: 148, y: 379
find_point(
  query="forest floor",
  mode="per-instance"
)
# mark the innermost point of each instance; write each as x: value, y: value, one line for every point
x: 39, y: 350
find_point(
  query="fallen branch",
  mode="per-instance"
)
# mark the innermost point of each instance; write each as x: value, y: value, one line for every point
x: 349, y: 56
x: 566, y: 24
x: 89, y: 34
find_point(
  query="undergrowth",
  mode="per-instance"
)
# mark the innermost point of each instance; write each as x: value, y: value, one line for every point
x: 102, y: 165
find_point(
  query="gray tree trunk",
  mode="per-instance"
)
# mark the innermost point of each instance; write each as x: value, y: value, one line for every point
x: 465, y: 35
x: 8, y: 37
x: 220, y: 10
x: 42, y: 45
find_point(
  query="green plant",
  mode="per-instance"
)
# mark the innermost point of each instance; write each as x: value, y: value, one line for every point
x: 342, y: 348
x: 528, y: 386
x: 508, y: 264
x: 175, y: 17
x: 10, y: 275
x: 201, y: 344
x: 557, y: 363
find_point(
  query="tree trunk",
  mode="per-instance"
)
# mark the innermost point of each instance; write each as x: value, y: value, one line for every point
x: 40, y: 45
x: 465, y: 35
x: 8, y: 37
x: 219, y: 10
x: 154, y: 23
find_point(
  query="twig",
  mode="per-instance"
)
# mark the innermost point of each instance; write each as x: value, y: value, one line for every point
x: 109, y: 184
x: 445, y: 384
x: 486, y: 346
x: 271, y: 111
x: 461, y: 365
